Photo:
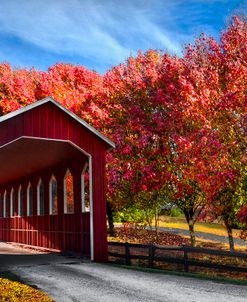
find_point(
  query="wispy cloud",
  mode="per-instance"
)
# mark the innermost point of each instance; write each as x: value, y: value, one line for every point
x: 103, y: 30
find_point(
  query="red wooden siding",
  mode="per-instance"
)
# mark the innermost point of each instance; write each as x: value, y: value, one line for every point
x: 67, y: 232
x: 62, y: 231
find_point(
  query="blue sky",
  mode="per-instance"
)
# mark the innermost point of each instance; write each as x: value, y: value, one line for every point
x: 102, y: 33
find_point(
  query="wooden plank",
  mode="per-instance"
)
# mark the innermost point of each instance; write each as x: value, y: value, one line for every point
x: 215, y: 252
x: 113, y: 243
x: 217, y: 266
x: 134, y: 245
x: 116, y: 255
x: 151, y: 254
x: 127, y: 254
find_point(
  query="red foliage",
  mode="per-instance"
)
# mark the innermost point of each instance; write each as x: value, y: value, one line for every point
x: 242, y: 215
x: 178, y: 122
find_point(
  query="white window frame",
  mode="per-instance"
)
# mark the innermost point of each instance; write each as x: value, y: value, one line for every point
x: 28, y: 198
x: 83, y: 208
x: 1, y: 210
x: 19, y: 200
x: 38, y: 196
x: 11, y: 202
x: 65, y: 208
x: 50, y: 194
x: 4, y: 204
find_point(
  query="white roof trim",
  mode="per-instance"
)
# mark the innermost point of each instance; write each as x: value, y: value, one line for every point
x: 46, y: 139
x: 74, y: 116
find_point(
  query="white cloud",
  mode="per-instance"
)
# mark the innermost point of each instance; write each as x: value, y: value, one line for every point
x: 52, y: 26
x: 102, y: 30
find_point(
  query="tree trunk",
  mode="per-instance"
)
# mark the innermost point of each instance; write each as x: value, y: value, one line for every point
x: 156, y: 223
x: 192, y: 233
x: 230, y: 237
x: 110, y: 219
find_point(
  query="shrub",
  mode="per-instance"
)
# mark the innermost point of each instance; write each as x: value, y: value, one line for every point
x: 175, y: 212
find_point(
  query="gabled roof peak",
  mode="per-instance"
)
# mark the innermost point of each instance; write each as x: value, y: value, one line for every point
x: 71, y: 114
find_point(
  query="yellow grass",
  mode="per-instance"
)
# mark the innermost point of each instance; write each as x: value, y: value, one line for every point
x: 12, y: 291
x: 204, y: 243
x: 180, y: 223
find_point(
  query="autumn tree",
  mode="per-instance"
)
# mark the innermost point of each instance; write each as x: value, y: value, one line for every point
x: 137, y: 164
x: 179, y: 123
x: 242, y: 216
x: 218, y: 73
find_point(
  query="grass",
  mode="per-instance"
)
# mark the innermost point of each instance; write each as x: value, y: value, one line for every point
x: 180, y: 223
x: 204, y: 243
x: 183, y: 274
x: 12, y: 290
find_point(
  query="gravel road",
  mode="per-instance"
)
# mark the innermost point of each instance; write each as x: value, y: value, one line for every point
x: 69, y: 279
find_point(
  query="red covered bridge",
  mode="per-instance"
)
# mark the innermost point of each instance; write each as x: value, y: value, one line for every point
x: 52, y: 180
